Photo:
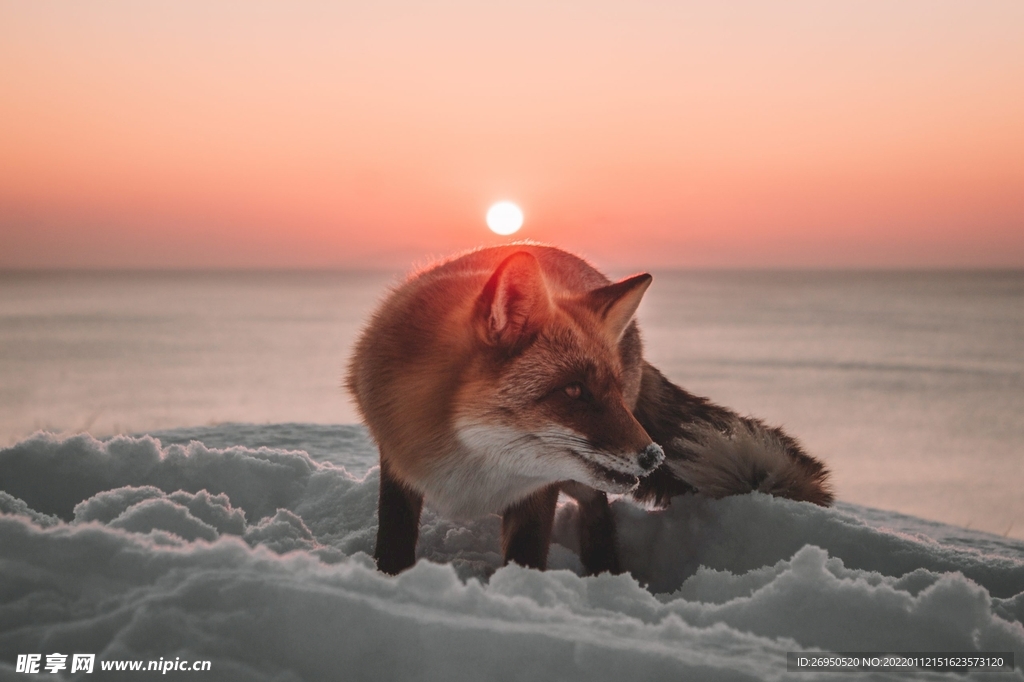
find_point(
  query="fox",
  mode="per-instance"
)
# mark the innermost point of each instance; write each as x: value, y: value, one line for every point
x: 496, y: 379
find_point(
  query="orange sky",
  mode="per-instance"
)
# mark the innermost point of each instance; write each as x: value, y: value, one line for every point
x: 649, y: 134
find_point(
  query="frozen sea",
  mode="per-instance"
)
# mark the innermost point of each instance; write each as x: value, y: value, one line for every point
x: 910, y: 385
x: 233, y: 522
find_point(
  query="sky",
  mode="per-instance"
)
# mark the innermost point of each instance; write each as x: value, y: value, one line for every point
x: 209, y: 134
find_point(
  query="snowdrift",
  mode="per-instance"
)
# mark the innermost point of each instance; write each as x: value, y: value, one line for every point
x: 256, y: 558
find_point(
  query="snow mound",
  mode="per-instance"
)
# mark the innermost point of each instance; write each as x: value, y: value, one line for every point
x: 256, y: 559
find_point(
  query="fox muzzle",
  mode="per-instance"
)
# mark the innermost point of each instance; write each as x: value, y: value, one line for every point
x: 651, y: 457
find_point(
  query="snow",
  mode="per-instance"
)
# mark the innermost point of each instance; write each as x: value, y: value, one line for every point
x: 256, y: 558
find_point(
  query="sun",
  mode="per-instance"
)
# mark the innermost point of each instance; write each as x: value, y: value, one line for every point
x: 504, y: 218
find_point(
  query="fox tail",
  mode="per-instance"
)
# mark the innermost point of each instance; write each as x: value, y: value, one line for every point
x: 716, y: 452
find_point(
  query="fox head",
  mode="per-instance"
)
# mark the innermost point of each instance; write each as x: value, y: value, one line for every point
x: 556, y: 373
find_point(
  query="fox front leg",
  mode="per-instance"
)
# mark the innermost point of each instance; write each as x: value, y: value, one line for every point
x: 398, y: 516
x: 596, y: 529
x: 526, y: 528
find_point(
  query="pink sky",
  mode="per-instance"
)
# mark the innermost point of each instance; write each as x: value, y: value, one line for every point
x: 649, y: 134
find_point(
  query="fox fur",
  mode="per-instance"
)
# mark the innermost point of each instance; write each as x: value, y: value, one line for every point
x: 498, y: 378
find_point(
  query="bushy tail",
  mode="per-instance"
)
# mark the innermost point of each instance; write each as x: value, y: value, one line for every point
x: 716, y: 452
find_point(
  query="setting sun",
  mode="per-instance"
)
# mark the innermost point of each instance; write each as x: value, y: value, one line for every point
x: 504, y: 218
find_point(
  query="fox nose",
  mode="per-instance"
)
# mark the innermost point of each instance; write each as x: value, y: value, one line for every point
x: 651, y: 457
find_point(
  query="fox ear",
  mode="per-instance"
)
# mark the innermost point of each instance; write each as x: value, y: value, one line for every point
x: 515, y: 301
x: 616, y: 303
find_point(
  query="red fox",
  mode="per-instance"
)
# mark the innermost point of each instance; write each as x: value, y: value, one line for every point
x: 496, y: 379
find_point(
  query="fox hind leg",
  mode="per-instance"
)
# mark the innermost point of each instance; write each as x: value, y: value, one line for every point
x: 398, y: 516
x: 526, y: 528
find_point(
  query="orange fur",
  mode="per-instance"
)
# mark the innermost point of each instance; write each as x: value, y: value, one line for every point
x: 492, y: 378
x: 481, y: 340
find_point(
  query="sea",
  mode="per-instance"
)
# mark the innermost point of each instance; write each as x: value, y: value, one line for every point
x: 909, y: 385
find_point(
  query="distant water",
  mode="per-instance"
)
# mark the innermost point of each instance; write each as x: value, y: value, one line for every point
x: 909, y: 384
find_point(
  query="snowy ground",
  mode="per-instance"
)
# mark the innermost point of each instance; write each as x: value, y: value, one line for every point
x: 242, y: 549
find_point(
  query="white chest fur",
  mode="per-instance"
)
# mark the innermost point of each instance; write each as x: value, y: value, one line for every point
x: 492, y: 468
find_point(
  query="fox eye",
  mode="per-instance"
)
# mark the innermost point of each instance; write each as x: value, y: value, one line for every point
x: 574, y: 391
